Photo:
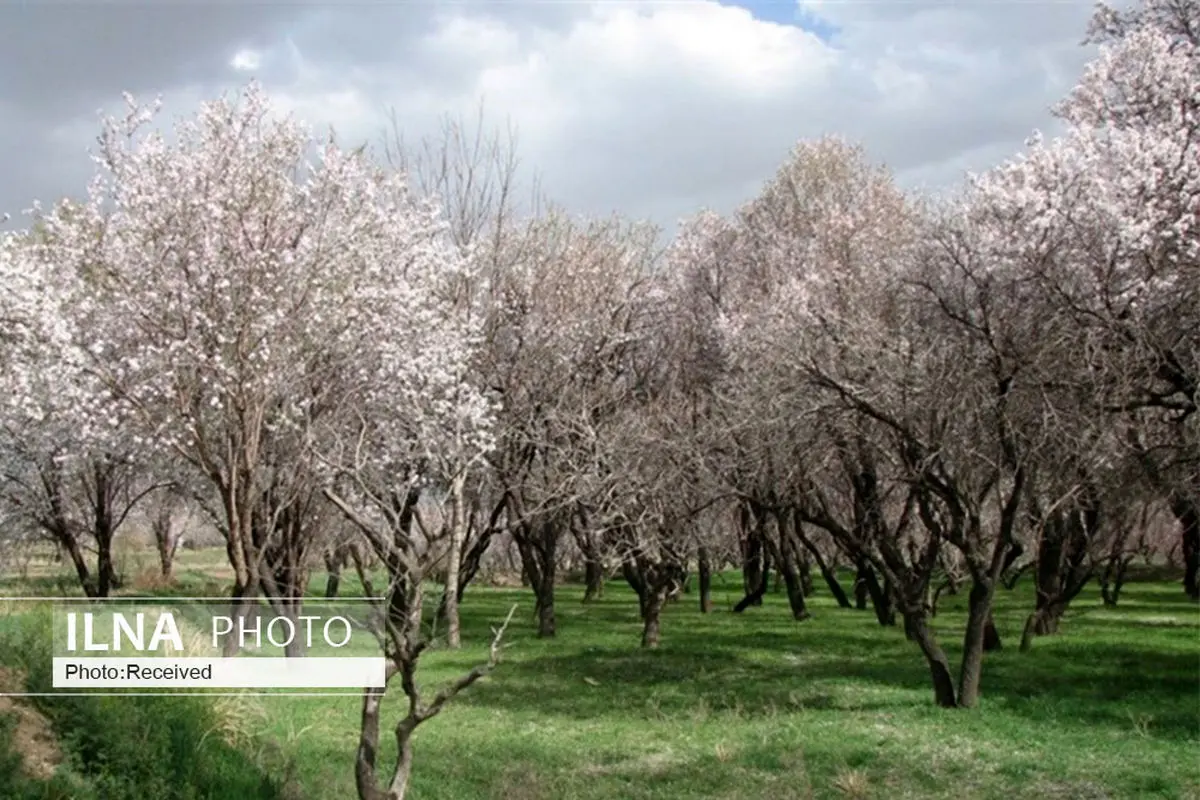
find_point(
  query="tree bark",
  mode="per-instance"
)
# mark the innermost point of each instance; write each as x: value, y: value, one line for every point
x: 881, y: 598
x: 786, y: 553
x: 979, y: 617
x: 756, y: 567
x: 1188, y: 514
x: 593, y: 576
x: 333, y: 568
x: 538, y: 548
x: 862, y: 596
x: 458, y: 535
x: 939, y: 666
x: 705, y: 570
x: 651, y: 616
x: 827, y: 571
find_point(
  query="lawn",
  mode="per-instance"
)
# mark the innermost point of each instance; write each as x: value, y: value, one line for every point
x: 757, y: 705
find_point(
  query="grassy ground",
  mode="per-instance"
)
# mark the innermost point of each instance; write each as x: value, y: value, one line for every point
x: 757, y: 705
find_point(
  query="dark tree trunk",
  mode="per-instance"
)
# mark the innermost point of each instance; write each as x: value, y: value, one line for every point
x: 333, y: 567
x: 593, y: 576
x: 805, y: 569
x: 785, y: 553
x: 881, y: 596
x: 826, y: 569
x: 651, y: 615
x: 473, y: 558
x: 795, y: 594
x: 653, y: 581
x: 979, y: 620
x: 71, y: 546
x: 1188, y: 514
x: 104, y: 527
x: 1062, y: 568
x: 538, y: 547
x: 949, y: 585
x: 862, y: 597
x: 991, y: 636
x: 756, y: 566
x: 705, y: 570
x: 242, y: 607
x: 939, y: 666
x: 755, y: 597
x: 547, y: 624
x: 1114, y: 578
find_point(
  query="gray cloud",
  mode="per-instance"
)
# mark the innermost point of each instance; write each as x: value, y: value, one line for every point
x: 652, y: 110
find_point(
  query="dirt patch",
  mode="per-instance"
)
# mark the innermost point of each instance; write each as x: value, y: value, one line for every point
x: 33, y: 738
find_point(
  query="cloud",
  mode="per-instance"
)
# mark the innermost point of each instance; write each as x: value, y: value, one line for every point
x: 246, y: 60
x: 652, y: 109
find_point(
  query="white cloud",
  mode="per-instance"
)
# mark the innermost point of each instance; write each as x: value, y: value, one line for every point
x: 246, y: 60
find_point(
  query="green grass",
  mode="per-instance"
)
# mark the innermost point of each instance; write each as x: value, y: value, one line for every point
x: 756, y: 705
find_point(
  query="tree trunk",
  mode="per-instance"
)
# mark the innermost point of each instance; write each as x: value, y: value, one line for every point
x: 939, y: 666
x: 651, y: 615
x: 538, y: 548
x: 756, y: 596
x: 805, y: 569
x: 593, y: 576
x: 1188, y: 514
x: 404, y: 764
x: 71, y: 545
x: 979, y: 617
x: 297, y: 647
x: 991, y: 636
x: 826, y: 569
x: 103, y: 529
x: 333, y: 566
x: 1114, y: 578
x: 458, y: 535
x: 241, y: 608
x: 368, y: 746
x: 881, y: 597
x: 795, y: 593
x: 786, y: 554
x: 756, y: 567
x: 705, y: 570
x: 862, y: 596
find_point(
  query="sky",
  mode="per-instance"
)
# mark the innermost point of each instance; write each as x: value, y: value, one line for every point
x: 651, y: 109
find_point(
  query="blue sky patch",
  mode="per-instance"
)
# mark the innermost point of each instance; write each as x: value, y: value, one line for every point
x: 788, y: 12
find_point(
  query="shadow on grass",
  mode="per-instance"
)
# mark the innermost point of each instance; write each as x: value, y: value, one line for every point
x: 762, y: 662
